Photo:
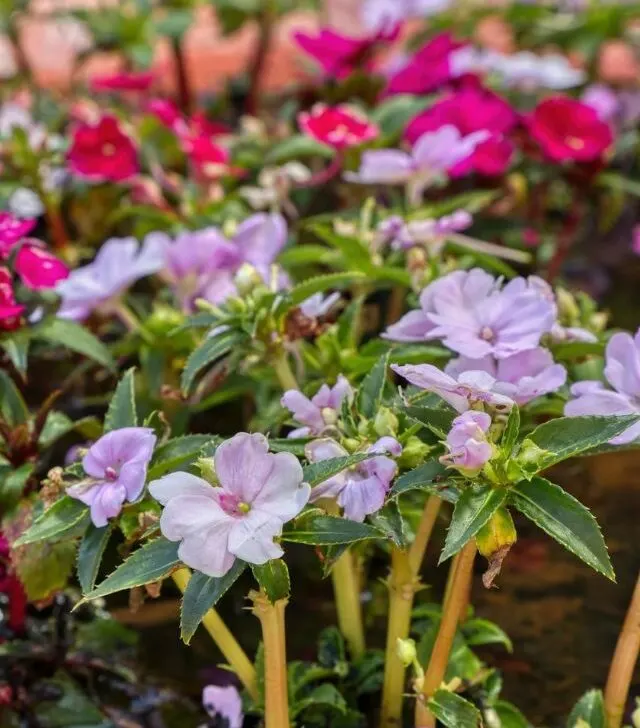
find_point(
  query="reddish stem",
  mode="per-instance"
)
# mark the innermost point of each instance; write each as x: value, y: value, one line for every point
x: 182, y: 76
x: 256, y: 67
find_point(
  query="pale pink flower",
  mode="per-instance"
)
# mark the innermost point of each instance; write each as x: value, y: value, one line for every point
x: 224, y: 702
x: 467, y: 442
x: 319, y: 412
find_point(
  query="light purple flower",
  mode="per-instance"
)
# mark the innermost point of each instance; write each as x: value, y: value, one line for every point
x: 603, y: 99
x: 467, y: 442
x: 119, y: 263
x: 224, y: 702
x: 466, y: 390
x: 319, y: 412
x: 258, y: 493
x: 117, y: 468
x: 360, y: 490
x: 521, y: 377
x: 319, y: 305
x: 475, y: 317
x: 380, y: 14
x: 430, y: 232
x: 622, y: 372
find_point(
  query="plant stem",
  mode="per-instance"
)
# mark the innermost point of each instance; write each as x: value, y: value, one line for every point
x: 623, y: 663
x: 283, y: 372
x: 397, y: 299
x: 402, y: 587
x: 452, y: 610
x: 226, y: 642
x: 271, y: 616
x: 346, y: 587
x: 265, y: 20
x: 182, y: 76
x: 423, y: 533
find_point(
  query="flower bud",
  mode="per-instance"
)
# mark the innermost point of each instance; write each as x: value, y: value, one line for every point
x: 531, y: 456
x: 207, y: 470
x: 414, y: 453
x: 568, y: 309
x: 163, y: 320
x: 635, y: 716
x: 385, y: 422
x: 406, y: 651
x: 467, y: 443
x: 247, y: 279
x: 494, y: 540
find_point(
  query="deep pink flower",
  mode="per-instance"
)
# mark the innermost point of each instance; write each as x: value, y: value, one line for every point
x: 569, y: 130
x: 340, y: 55
x: 102, y: 151
x: 38, y: 268
x: 10, y: 311
x: 12, y: 230
x: 428, y: 69
x: 168, y: 114
x: 210, y: 160
x: 125, y: 81
x: 11, y: 586
x: 338, y: 126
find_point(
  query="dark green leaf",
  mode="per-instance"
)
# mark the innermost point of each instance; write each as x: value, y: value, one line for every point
x: 320, y: 530
x: 12, y: 405
x: 473, y: 509
x: 63, y: 516
x: 273, y: 577
x: 389, y: 520
x: 430, y: 477
x: 293, y: 445
x: 17, y: 348
x: 122, y: 408
x: 90, y: 554
x: 296, y: 147
x: 317, y: 473
x: 453, y: 711
x: 13, y: 482
x: 436, y: 419
x: 565, y: 519
x: 371, y: 389
x: 393, y: 114
x: 324, y: 695
x: 510, y: 716
x: 590, y: 709
x: 319, y: 284
x: 511, y: 431
x: 75, y: 337
x: 177, y: 453
x: 482, y: 632
x: 211, y: 349
x: 58, y: 424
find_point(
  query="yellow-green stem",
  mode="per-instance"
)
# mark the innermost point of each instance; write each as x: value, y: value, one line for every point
x: 452, y: 610
x: 623, y: 663
x: 423, y: 533
x: 226, y: 642
x: 283, y: 372
x: 346, y: 587
x: 271, y: 616
x: 402, y: 585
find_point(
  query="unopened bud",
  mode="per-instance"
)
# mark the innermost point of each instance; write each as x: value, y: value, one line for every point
x: 329, y: 415
x: 385, y: 422
x: 598, y: 322
x: 414, y: 453
x: 247, y: 279
x: 406, y: 651
x: 635, y: 716
x: 567, y: 306
x: 531, y: 456
x: 208, y: 470
x: 494, y: 540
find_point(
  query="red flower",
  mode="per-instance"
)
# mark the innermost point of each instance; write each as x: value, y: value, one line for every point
x: 11, y: 586
x: 338, y: 126
x: 428, y: 69
x: 12, y: 230
x: 168, y: 114
x: 102, y: 151
x: 568, y: 130
x: 210, y: 160
x: 38, y: 268
x: 131, y: 81
x: 10, y: 311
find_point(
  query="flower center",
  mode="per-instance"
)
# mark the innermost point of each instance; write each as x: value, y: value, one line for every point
x: 110, y: 473
x: 574, y: 143
x: 329, y: 415
x: 108, y: 150
x: 487, y: 333
x: 232, y: 505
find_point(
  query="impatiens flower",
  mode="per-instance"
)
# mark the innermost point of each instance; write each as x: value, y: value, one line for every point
x: 119, y: 263
x: 467, y: 442
x: 258, y: 493
x: 318, y: 305
x: 528, y: 71
x: 473, y: 316
x: 338, y: 126
x: 10, y: 311
x: 117, y: 468
x: 274, y: 186
x: 101, y: 151
x: 15, y: 116
x: 521, y: 377
x: 12, y: 230
x: 125, y: 81
x: 431, y: 232
x: 209, y: 159
x: 319, y: 412
x: 603, y: 100
x: 360, y: 490
x: 25, y: 203
x: 463, y: 392
x: 378, y: 14
x: 223, y: 702
x: 38, y: 268
x: 340, y: 55
x: 622, y: 372
x: 569, y: 130
x: 428, y: 69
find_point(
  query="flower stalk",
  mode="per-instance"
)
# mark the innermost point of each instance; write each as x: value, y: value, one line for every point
x: 283, y: 371
x: 346, y: 587
x: 224, y: 639
x: 271, y: 616
x: 623, y: 663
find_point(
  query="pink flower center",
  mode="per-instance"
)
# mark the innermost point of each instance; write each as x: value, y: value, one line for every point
x: 232, y: 505
x: 108, y: 150
x: 574, y: 143
x: 110, y: 473
x: 487, y: 333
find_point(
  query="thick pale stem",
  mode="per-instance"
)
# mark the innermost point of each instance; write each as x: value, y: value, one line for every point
x: 226, y: 642
x: 423, y: 533
x: 624, y: 661
x: 402, y: 586
x: 283, y: 372
x: 271, y: 618
x: 346, y: 587
x: 452, y: 610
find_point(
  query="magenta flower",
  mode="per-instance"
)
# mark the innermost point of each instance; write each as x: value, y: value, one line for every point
x: 622, y: 372
x: 39, y: 269
x: 125, y: 81
x: 223, y: 702
x: 474, y: 317
x: 117, y: 468
x: 360, y: 490
x: 319, y: 412
x: 118, y: 264
x: 462, y: 392
x: 467, y: 443
x: 338, y: 126
x: 521, y: 377
x: 12, y: 230
x: 258, y: 493
x: 10, y: 311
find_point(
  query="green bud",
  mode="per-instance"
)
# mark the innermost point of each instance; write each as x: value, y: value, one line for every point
x: 530, y: 455
x: 414, y: 452
x: 236, y: 305
x: 385, y: 422
x: 635, y: 716
x: 247, y: 279
x: 163, y: 320
x: 568, y: 308
x: 351, y: 444
x: 598, y: 322
x: 207, y: 469
x: 406, y: 651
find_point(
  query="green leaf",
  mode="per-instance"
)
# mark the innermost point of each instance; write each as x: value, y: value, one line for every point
x: 90, y: 554
x: 13, y: 482
x: 58, y: 424
x: 430, y: 477
x: 393, y: 114
x: 152, y: 562
x: 590, y: 708
x: 564, y: 518
x: 13, y: 407
x: 212, y: 348
x: 478, y: 631
x: 177, y: 453
x: 566, y: 437
x: 175, y: 23
x: 510, y: 435
x: 273, y: 577
x: 295, y: 445
x: 44, y: 567
x: 453, y: 711
x: 202, y: 593
x: 616, y: 181
x: 75, y: 337
x: 510, y: 716
x: 296, y: 147
x: 354, y: 252
x: 473, y: 509
x: 389, y: 520
x: 17, y: 348
x: 371, y: 389
x: 324, y: 695
x: 122, y: 408
x: 438, y: 420
x: 319, y: 530
x: 318, y: 284
x: 63, y: 516
x: 317, y: 473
